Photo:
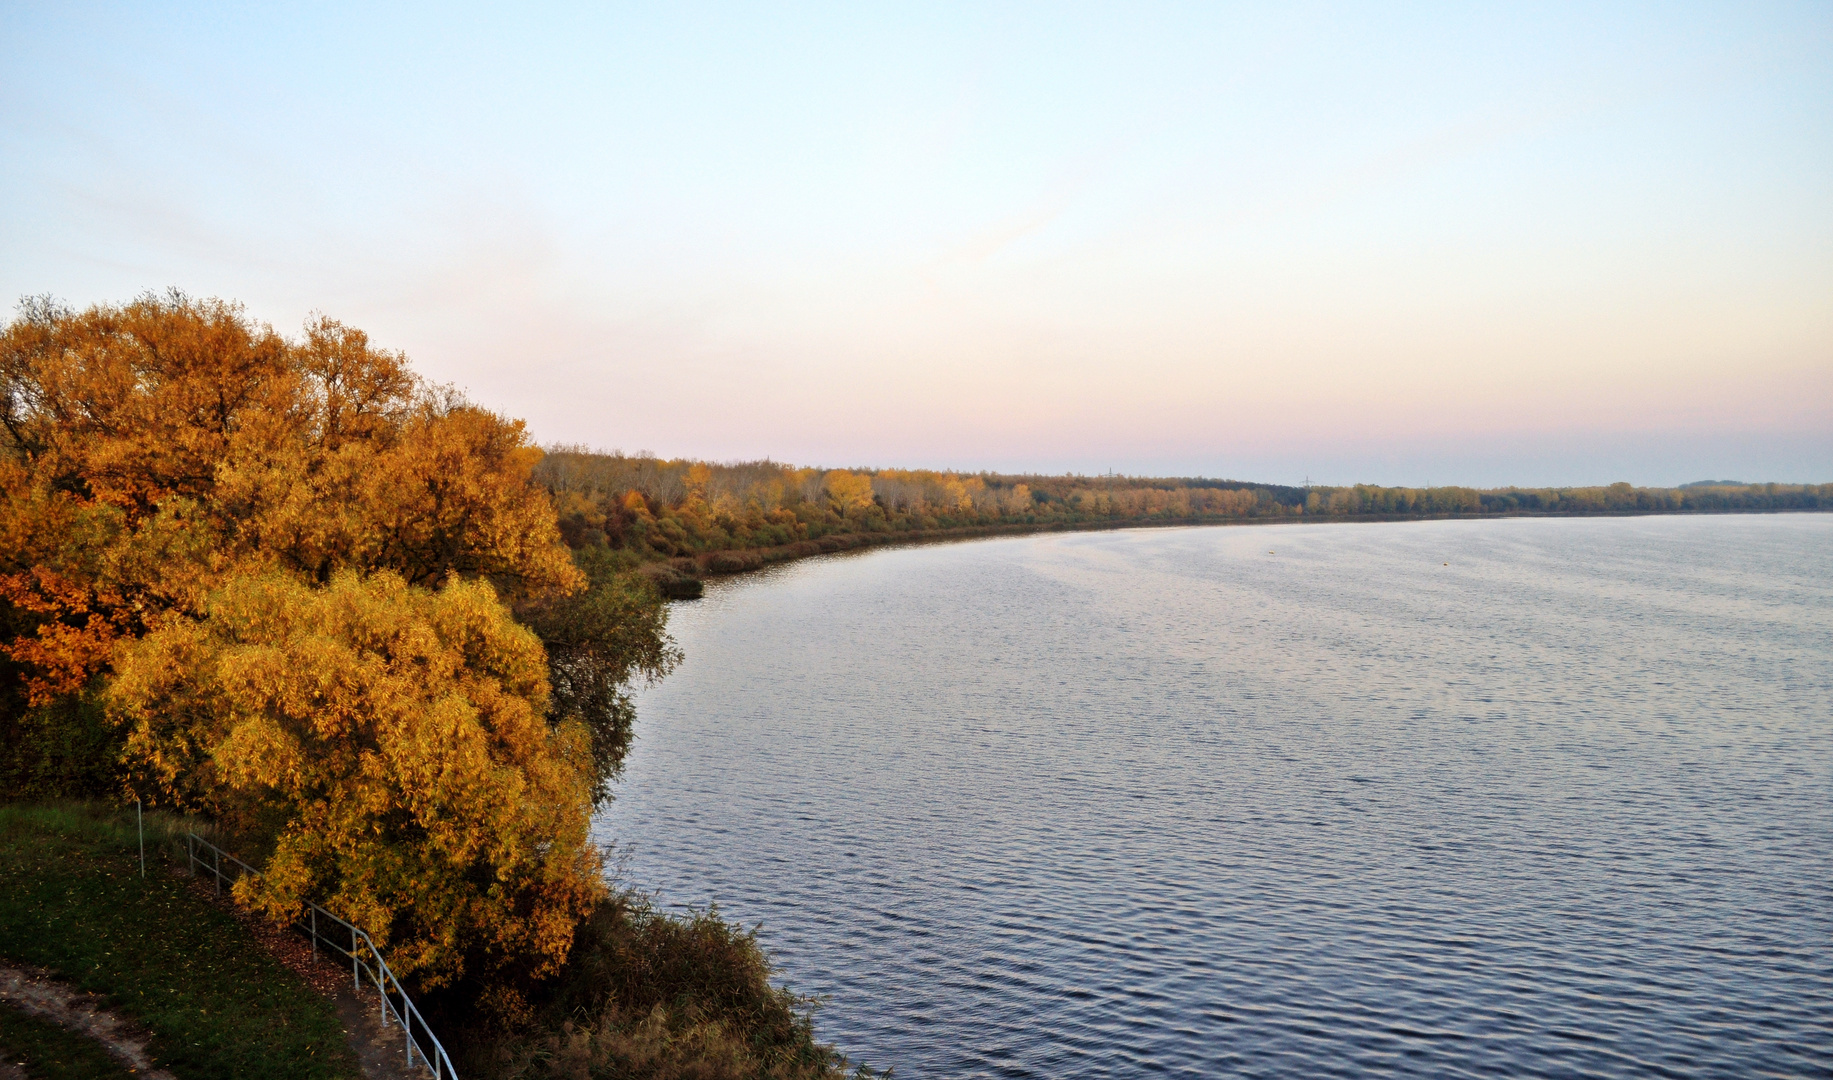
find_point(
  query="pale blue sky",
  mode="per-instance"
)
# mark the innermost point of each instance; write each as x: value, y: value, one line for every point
x: 1398, y: 243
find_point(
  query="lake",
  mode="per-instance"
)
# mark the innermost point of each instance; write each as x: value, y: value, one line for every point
x: 1525, y: 797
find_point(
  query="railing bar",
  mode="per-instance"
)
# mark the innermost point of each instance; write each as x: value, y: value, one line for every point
x: 438, y: 1062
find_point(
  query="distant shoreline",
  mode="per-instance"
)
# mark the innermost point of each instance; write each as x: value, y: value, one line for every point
x: 681, y: 520
x: 674, y: 575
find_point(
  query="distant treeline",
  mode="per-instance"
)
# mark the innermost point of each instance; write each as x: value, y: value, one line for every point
x: 684, y: 509
x: 1615, y: 499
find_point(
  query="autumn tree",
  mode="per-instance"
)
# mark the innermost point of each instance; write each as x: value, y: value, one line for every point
x: 395, y: 740
x: 154, y: 446
x: 262, y: 555
x: 850, y: 493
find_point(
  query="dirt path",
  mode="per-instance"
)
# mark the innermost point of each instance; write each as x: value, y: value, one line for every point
x: 33, y: 992
x: 379, y: 1047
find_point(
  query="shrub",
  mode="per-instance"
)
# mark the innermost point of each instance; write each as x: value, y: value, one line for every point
x: 659, y: 997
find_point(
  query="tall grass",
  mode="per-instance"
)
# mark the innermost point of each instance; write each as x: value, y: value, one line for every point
x: 652, y: 996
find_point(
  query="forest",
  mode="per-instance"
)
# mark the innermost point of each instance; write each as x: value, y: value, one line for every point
x: 684, y: 517
x: 697, y: 516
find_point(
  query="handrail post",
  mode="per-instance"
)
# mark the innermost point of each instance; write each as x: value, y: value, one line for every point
x: 435, y: 1060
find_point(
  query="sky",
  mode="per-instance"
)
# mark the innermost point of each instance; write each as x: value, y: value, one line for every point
x: 1406, y: 244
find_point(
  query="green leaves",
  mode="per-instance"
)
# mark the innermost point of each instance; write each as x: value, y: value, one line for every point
x: 598, y: 642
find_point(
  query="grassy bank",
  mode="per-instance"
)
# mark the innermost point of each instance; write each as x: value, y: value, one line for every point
x: 644, y: 994
x: 72, y: 900
x: 48, y: 1052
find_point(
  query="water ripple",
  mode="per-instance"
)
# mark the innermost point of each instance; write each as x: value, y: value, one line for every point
x: 1160, y: 804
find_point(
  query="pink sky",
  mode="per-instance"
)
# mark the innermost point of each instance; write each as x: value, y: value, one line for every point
x: 1403, y: 245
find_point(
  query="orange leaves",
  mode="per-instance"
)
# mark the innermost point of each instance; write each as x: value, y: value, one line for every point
x: 635, y: 504
x: 357, y: 392
x: 149, y: 448
x: 284, y: 556
x: 454, y: 495
x: 129, y: 404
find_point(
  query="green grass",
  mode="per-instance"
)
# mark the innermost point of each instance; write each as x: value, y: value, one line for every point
x: 48, y: 1052
x: 72, y: 900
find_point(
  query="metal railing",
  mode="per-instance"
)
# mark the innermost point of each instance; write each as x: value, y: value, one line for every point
x: 365, y: 959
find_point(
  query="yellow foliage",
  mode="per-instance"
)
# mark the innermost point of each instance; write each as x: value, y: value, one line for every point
x: 154, y: 445
x: 284, y: 560
x: 633, y: 502
x: 850, y: 492
x: 398, y: 737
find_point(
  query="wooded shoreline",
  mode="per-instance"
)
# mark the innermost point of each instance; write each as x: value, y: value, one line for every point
x: 386, y: 645
x: 678, y: 578
x: 684, y: 519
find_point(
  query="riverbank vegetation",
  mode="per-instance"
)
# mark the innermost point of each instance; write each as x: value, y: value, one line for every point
x: 385, y: 644
x: 286, y: 585
x: 697, y: 516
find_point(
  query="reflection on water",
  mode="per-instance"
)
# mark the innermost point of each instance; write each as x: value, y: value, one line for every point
x: 1522, y: 797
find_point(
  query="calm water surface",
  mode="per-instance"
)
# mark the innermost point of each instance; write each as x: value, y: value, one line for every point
x: 1524, y: 797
